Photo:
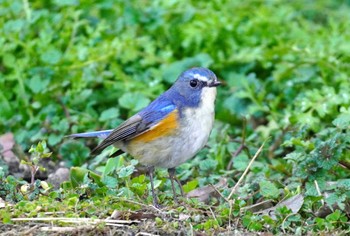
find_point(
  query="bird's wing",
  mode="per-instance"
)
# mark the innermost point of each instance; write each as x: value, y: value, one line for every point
x: 138, y: 124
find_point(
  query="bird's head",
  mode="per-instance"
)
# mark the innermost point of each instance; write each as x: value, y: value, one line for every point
x: 196, y: 86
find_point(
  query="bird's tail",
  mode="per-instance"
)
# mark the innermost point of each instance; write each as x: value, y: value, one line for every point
x: 93, y: 134
x: 96, y: 134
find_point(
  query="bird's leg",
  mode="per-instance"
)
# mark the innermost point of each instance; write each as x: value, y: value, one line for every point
x: 154, y: 196
x: 173, y: 177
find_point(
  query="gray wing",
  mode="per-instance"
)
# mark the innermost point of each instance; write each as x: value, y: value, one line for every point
x: 139, y: 123
x: 131, y: 128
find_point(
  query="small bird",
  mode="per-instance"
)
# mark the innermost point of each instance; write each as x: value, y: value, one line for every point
x: 170, y: 130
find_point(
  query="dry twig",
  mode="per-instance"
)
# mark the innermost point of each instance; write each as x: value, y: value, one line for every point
x: 246, y: 171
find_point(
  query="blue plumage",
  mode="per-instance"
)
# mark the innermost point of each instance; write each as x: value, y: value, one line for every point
x: 157, y: 110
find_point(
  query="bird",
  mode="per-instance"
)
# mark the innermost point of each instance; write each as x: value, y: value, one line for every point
x: 170, y: 130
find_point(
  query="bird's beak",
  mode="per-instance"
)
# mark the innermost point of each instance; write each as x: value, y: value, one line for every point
x: 215, y: 83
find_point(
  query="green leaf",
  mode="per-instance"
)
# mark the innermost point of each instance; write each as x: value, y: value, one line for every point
x: 344, y: 183
x: 77, y: 176
x: 37, y: 85
x: 240, y: 162
x: 342, y: 121
x: 126, y: 171
x: 111, y: 165
x: 172, y: 71
x: 96, y: 178
x: 190, y: 185
x: 208, y: 164
x: 66, y: 2
x: 311, y: 189
x: 6, y: 217
x: 335, y: 216
x: 109, y: 114
x: 133, y: 101
x: 269, y: 189
x: 54, y: 139
x: 9, y: 60
x: 139, y: 179
x: 75, y: 153
x: 110, y: 182
x: 14, y: 25
x: 336, y: 198
x: 51, y: 56
x: 139, y: 185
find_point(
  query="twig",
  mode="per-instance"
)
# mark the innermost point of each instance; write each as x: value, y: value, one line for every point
x: 33, y: 171
x: 284, y: 221
x: 77, y: 220
x: 235, y: 154
x: 246, y: 170
x: 256, y: 205
x: 318, y: 191
x: 53, y: 213
x: 345, y: 164
x: 29, y: 231
x: 217, y: 190
x: 117, y: 225
x: 145, y: 234
x: 241, y: 179
x: 66, y: 229
x: 216, y: 220
x: 141, y: 204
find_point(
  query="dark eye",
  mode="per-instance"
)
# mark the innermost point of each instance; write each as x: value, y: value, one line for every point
x: 194, y: 83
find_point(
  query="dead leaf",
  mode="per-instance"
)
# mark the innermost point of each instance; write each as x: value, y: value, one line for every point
x: 258, y: 206
x: 294, y: 204
x: 183, y: 217
x: 205, y: 192
x: 3, y: 204
x: 325, y: 210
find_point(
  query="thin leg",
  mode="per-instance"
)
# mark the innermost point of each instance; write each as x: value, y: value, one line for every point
x: 154, y: 196
x: 173, y: 177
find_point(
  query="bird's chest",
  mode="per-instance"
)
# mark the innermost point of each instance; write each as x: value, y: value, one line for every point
x: 196, y: 126
x: 197, y: 122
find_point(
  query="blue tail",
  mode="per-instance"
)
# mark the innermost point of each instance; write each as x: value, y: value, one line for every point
x: 94, y: 134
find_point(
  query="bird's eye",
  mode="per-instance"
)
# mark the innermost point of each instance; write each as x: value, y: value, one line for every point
x: 194, y: 83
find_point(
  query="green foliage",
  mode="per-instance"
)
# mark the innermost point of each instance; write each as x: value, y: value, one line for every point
x: 73, y: 66
x: 74, y: 153
x: 333, y: 221
x: 10, y: 190
x: 38, y: 153
x: 268, y: 189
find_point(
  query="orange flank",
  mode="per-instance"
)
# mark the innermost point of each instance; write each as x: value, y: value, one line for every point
x: 164, y: 128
